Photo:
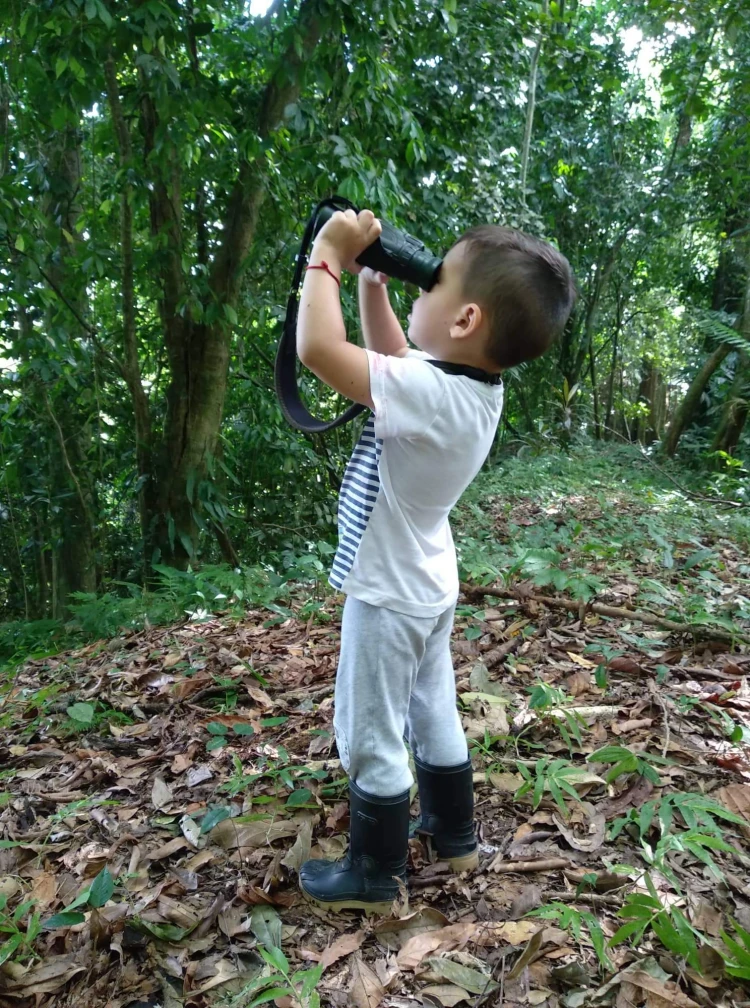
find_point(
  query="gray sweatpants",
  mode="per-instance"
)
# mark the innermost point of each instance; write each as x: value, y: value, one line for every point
x: 395, y: 679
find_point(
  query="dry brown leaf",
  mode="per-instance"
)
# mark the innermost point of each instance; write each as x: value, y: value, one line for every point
x: 446, y: 995
x: 578, y: 683
x: 415, y: 949
x: 529, y: 953
x: 493, y: 721
x: 342, y: 947
x: 44, y: 890
x: 669, y: 991
x: 595, y: 837
x: 736, y: 797
x: 366, y: 990
x: 169, y: 848
x: 508, y: 783
x: 624, y: 664
x: 45, y: 978
x: 299, y: 852
x: 396, y: 933
x: 580, y: 660
x: 232, y: 835
x: 161, y: 794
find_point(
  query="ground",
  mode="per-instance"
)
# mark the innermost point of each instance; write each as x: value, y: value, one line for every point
x: 170, y: 781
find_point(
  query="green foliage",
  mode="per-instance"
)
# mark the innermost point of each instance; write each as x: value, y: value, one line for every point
x: 570, y: 919
x: 626, y: 761
x: 642, y: 912
x: 19, y: 945
x: 96, y: 895
x: 278, y: 981
x: 557, y: 776
x: 737, y: 954
x: 698, y: 811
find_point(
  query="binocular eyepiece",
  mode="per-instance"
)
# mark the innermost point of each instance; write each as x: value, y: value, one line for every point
x: 394, y: 253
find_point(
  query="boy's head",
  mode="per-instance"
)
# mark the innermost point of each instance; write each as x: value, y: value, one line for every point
x: 502, y: 297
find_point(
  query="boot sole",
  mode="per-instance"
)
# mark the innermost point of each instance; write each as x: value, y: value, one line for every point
x: 468, y: 862
x: 336, y: 906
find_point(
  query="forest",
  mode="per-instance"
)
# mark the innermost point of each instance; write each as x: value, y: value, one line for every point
x: 168, y: 636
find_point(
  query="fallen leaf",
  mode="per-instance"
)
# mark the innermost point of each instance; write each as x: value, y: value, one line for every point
x: 624, y: 664
x: 416, y: 948
x: 299, y: 852
x: 578, y: 683
x: 528, y: 899
x: 46, y: 977
x: 396, y: 933
x: 161, y: 794
x: 366, y: 990
x: 580, y: 660
x: 595, y: 837
x: 232, y: 835
x: 446, y: 995
x: 169, y: 848
x: 342, y: 947
x: 493, y: 721
x: 736, y: 798
x: 529, y: 953
x: 443, y: 968
x: 44, y: 890
x: 508, y: 783
x: 669, y: 991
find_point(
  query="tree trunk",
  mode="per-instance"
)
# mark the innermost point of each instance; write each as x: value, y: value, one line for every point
x: 650, y: 393
x: 198, y: 350
x: 71, y: 434
x: 689, y: 404
x: 530, y: 107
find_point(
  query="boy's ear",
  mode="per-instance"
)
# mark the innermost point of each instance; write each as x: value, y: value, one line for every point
x: 468, y: 321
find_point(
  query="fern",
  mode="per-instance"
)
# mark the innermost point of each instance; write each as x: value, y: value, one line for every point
x: 716, y: 325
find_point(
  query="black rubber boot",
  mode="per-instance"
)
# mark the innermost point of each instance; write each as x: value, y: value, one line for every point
x: 446, y: 798
x: 365, y: 879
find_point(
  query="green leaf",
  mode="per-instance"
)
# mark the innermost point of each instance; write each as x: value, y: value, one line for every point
x: 627, y: 930
x: 81, y: 712
x: 272, y: 722
x: 472, y: 633
x: 216, y: 728
x: 60, y: 65
x: 231, y: 314
x: 64, y: 919
x: 213, y: 817
x: 301, y: 796
x: 101, y: 888
x: 10, y: 947
x: 270, y: 995
x: 265, y: 924
x: 216, y: 743
x: 20, y: 243
x: 243, y: 729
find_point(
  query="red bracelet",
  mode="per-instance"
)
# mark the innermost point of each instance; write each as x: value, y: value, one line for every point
x: 324, y: 266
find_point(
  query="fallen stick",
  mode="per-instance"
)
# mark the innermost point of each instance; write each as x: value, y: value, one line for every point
x: 604, y: 610
x: 545, y: 864
x: 594, y: 898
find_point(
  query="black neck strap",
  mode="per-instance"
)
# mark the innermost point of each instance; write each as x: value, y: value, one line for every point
x: 465, y: 369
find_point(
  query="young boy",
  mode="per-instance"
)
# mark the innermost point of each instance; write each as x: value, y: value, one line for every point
x: 501, y: 298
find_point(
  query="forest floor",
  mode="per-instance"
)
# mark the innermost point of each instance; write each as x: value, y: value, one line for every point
x: 161, y: 789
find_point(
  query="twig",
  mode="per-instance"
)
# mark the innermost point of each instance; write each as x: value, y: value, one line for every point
x: 665, y: 714
x: 604, y: 610
x: 544, y: 864
x: 596, y: 899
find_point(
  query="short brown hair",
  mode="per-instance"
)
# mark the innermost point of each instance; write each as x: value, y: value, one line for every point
x: 524, y: 284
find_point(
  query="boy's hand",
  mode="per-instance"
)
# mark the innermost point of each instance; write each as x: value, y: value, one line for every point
x: 346, y: 235
x: 373, y: 277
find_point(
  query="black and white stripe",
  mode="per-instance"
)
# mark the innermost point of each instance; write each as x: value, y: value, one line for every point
x: 359, y: 491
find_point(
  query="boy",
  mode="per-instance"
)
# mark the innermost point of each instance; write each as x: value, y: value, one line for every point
x: 502, y: 297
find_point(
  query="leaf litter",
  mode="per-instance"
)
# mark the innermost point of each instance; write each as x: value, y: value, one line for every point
x: 195, y: 766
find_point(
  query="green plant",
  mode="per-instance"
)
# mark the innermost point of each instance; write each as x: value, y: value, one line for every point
x: 570, y: 919
x: 688, y: 842
x: 549, y: 702
x: 95, y: 895
x: 698, y: 811
x: 21, y: 941
x: 276, y: 771
x: 626, y: 761
x: 737, y: 957
x: 642, y: 912
x: 280, y: 982
x: 220, y: 733
x: 553, y: 775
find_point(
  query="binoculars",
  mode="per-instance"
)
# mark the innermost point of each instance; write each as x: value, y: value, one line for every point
x: 395, y: 253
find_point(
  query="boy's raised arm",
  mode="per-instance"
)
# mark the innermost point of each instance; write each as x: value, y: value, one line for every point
x: 380, y: 327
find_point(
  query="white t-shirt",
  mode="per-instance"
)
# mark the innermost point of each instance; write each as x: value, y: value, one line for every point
x: 424, y: 444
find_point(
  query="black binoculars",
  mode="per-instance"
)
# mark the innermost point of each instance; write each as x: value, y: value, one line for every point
x: 395, y: 253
